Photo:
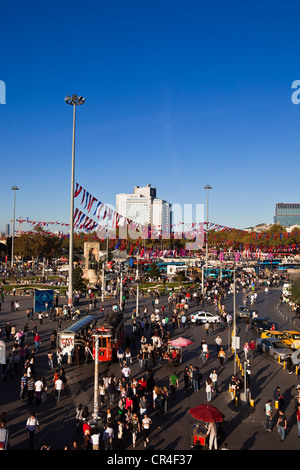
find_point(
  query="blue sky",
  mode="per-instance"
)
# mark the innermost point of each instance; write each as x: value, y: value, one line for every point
x: 178, y: 94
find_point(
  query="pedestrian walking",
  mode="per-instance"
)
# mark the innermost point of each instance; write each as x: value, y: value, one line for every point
x: 120, y: 434
x: 214, y: 378
x: 30, y: 388
x: 218, y: 342
x: 146, y: 423
x: 135, y: 428
x: 268, y: 413
x: 102, y: 391
x: 38, y: 387
x: 186, y: 377
x: 32, y: 424
x: 221, y: 357
x: 50, y: 359
x: 37, y: 342
x: 281, y: 425
x: 58, y: 386
x: 208, y: 389
x: 246, y: 350
x: 23, y: 386
x: 252, y: 346
x: 204, y: 355
x: 41, y: 316
x: 174, y: 384
x: 108, y: 435
x: 196, y: 378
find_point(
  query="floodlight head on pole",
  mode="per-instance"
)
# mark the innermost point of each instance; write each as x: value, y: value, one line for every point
x: 207, y: 187
x: 74, y: 99
x: 15, y: 188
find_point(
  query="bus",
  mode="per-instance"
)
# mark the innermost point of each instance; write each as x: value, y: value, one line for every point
x: 110, y: 335
x: 269, y: 264
x: 215, y: 273
x: 286, y: 266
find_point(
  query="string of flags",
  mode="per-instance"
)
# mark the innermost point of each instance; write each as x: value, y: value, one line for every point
x: 108, y: 221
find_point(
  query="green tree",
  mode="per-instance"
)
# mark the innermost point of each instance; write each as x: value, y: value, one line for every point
x: 78, y: 282
x: 295, y: 291
x: 154, y: 271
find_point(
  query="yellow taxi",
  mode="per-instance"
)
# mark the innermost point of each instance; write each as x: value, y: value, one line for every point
x: 291, y: 339
x: 272, y: 334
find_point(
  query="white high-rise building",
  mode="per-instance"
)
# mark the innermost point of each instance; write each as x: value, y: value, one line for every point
x: 143, y: 207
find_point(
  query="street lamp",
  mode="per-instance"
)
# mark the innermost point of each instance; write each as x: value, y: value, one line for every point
x: 73, y: 101
x: 207, y: 187
x: 14, y: 188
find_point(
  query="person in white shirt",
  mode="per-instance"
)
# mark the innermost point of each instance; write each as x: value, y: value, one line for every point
x: 214, y: 378
x: 204, y: 352
x: 212, y: 433
x: 95, y: 441
x: 146, y: 422
x: 126, y: 372
x: 32, y: 424
x: 218, y: 342
x: 58, y: 388
x: 38, y: 387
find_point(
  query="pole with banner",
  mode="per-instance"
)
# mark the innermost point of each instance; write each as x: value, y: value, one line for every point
x: 41, y: 298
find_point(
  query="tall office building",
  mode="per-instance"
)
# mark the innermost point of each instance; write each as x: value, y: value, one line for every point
x: 7, y: 230
x: 287, y: 214
x: 143, y: 207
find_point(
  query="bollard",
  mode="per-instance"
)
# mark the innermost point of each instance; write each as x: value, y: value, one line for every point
x: 236, y: 401
x: 284, y: 364
x: 251, y: 402
x: 276, y: 404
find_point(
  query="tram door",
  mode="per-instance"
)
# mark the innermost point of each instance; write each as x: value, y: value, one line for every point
x: 105, y: 348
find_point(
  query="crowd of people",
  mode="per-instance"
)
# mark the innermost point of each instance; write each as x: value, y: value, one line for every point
x: 133, y: 399
x: 128, y: 404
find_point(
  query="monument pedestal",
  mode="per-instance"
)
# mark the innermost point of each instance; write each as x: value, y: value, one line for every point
x: 91, y: 276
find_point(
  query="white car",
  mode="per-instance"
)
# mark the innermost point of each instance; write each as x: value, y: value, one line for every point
x: 203, y: 317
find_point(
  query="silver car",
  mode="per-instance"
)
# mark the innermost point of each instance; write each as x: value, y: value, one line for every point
x: 243, y: 312
x: 274, y: 347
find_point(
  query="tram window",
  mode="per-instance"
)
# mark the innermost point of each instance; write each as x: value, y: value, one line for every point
x: 103, y: 342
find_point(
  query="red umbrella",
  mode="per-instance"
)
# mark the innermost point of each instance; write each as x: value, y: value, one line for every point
x: 180, y: 342
x: 207, y: 413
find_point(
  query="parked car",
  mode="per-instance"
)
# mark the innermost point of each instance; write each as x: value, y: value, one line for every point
x: 243, y: 312
x: 274, y: 347
x: 261, y: 324
x: 203, y: 317
x: 291, y: 339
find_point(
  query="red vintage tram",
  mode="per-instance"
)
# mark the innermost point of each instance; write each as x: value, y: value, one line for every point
x: 110, y: 333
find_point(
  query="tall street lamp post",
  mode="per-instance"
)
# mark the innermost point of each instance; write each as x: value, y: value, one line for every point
x: 207, y: 187
x: 73, y: 101
x: 14, y: 188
